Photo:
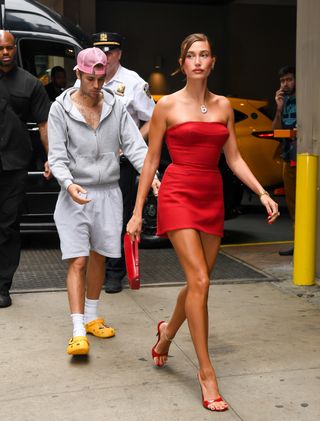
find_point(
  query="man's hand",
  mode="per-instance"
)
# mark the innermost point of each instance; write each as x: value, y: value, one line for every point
x: 279, y: 98
x: 156, y: 186
x: 78, y: 194
x: 47, y: 172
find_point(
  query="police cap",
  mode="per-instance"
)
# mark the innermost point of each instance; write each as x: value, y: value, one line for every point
x: 107, y: 40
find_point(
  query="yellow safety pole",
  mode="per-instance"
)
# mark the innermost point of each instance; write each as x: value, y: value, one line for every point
x: 306, y: 219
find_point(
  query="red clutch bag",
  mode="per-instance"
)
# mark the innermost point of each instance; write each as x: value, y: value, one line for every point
x: 131, y: 254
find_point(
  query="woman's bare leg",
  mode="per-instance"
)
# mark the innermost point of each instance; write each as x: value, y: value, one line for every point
x: 168, y: 330
x: 211, y: 245
x: 197, y: 254
x: 211, y: 253
x: 95, y: 275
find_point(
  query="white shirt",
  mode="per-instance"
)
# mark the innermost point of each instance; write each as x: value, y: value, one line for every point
x: 134, y: 92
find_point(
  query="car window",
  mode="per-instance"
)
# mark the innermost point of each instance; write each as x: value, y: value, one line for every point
x: 268, y: 111
x: 239, y: 116
x: 39, y: 56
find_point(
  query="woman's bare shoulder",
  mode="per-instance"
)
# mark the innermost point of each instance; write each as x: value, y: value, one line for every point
x: 222, y: 100
x: 167, y: 100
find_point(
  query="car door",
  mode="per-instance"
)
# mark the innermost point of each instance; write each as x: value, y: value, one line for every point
x: 38, y: 56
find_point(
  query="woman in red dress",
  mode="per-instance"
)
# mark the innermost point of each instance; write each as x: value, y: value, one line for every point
x: 197, y: 125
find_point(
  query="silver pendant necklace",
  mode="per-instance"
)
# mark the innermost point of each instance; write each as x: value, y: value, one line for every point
x: 203, y: 108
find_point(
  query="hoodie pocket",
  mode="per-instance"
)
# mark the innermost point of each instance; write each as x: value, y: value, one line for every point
x: 100, y: 169
x: 109, y: 167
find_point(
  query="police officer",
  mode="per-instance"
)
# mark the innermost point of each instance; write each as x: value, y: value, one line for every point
x: 134, y: 92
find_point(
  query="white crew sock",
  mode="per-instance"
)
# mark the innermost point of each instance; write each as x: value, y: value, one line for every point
x: 90, y: 310
x: 78, y: 325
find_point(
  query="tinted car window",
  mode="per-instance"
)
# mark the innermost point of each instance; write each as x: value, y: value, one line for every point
x: 38, y: 57
x: 239, y: 116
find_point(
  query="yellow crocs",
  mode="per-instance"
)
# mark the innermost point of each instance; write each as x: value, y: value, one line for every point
x: 99, y: 329
x: 78, y: 345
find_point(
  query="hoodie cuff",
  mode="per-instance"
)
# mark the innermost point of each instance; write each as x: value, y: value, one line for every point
x: 67, y: 183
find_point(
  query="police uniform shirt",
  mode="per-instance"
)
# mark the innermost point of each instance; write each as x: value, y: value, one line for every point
x: 134, y: 92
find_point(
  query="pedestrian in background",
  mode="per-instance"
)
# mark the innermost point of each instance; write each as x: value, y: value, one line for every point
x: 286, y: 118
x: 87, y: 128
x: 58, y: 82
x: 197, y: 125
x: 22, y: 99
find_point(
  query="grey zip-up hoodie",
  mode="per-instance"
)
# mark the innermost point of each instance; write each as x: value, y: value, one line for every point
x: 78, y: 154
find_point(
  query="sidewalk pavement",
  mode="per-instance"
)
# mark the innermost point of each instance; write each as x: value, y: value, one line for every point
x: 264, y: 341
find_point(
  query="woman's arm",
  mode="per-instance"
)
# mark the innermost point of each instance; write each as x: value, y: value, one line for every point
x: 239, y: 167
x: 158, y: 126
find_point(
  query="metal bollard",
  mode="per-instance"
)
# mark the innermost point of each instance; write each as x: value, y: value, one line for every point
x: 304, y: 260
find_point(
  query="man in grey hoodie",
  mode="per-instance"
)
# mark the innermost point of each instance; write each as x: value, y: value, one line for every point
x: 87, y: 128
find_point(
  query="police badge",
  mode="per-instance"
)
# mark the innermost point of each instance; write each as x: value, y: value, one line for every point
x: 120, y: 89
x: 103, y: 36
x: 147, y: 90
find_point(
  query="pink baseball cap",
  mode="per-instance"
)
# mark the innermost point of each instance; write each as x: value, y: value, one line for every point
x: 89, y: 58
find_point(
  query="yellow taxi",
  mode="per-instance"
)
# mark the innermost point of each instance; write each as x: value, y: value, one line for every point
x: 262, y: 154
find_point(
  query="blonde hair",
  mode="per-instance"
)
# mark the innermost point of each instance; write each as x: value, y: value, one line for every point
x: 185, y: 46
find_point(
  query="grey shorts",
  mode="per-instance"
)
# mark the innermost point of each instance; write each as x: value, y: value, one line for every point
x: 95, y: 226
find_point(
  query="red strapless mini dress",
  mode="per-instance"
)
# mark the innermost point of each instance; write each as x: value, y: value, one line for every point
x: 191, y: 192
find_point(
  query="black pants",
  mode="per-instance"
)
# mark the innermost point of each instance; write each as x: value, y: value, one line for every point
x: 12, y: 187
x: 116, y: 267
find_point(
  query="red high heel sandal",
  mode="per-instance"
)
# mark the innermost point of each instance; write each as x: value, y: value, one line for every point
x: 153, y: 352
x: 207, y: 403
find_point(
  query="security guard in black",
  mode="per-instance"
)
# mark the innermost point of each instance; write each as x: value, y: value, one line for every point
x: 22, y: 99
x: 27, y: 98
